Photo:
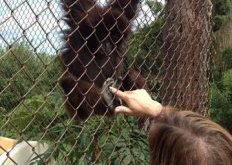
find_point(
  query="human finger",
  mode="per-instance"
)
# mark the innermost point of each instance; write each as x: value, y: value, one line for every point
x: 123, y: 109
x: 118, y: 93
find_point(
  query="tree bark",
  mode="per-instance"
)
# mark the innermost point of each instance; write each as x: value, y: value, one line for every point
x: 186, y: 45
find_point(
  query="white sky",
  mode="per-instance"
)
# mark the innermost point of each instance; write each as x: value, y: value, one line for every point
x: 36, y: 21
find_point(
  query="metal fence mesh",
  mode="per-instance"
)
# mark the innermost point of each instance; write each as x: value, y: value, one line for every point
x: 167, y: 52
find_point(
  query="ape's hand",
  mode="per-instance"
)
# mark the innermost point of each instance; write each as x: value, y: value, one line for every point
x: 110, y: 99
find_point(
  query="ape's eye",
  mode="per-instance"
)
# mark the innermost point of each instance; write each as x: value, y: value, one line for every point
x: 115, y: 38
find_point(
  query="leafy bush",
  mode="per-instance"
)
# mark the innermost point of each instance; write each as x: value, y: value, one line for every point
x: 226, y: 58
x: 220, y: 10
x: 145, y: 49
x: 221, y: 101
x: 221, y: 7
x: 222, y: 63
x: 33, y: 115
x: 145, y: 54
x: 42, y: 118
x: 24, y: 74
x: 218, y: 22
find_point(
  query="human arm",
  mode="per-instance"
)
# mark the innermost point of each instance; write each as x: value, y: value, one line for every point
x: 139, y: 103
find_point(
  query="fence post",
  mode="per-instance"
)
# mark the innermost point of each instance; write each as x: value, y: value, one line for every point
x: 186, y: 45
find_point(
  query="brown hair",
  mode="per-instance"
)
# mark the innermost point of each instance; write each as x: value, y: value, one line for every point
x: 187, y: 138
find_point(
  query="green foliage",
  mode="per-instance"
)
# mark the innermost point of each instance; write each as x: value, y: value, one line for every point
x: 226, y: 58
x: 219, y: 21
x: 145, y: 45
x: 24, y: 73
x: 227, y: 82
x: 116, y: 143
x: 221, y: 7
x: 145, y: 52
x: 221, y: 101
x: 42, y: 118
x: 33, y: 115
x: 155, y: 6
x: 13, y: 63
x: 222, y: 64
x: 129, y: 144
x: 220, y: 11
x: 221, y: 89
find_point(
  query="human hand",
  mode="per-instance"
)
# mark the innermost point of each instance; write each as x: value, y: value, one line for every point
x: 139, y: 103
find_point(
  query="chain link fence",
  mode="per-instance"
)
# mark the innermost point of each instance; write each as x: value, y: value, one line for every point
x: 56, y: 55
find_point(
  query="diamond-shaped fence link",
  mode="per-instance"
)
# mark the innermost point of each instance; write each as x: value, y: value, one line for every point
x: 57, y: 56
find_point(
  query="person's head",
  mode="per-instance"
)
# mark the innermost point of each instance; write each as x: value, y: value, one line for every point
x: 187, y: 138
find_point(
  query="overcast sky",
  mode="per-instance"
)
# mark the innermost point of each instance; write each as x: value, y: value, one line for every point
x: 37, y: 21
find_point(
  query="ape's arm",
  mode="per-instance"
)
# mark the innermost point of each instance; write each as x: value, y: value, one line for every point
x: 127, y: 7
x: 79, y: 11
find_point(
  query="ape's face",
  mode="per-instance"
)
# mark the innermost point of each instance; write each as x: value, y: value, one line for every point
x: 107, y: 36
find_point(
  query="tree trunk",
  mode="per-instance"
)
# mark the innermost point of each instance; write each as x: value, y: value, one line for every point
x: 186, y: 46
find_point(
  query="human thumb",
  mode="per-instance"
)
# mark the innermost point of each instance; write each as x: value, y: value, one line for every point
x: 123, y: 109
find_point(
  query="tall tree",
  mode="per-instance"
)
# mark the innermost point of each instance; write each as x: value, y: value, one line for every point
x: 186, y: 44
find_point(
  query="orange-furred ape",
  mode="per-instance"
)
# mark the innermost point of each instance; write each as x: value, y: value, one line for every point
x: 92, y: 56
